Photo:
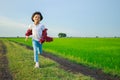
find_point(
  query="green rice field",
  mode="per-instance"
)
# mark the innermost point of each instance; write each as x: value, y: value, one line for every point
x: 20, y: 65
x: 100, y: 53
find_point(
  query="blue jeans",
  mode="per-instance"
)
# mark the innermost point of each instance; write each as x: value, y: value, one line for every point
x: 37, y: 47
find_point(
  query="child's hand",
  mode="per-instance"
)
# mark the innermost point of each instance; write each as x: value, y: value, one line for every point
x: 26, y: 38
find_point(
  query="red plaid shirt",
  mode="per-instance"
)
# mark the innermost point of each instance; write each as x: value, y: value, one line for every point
x: 44, y: 37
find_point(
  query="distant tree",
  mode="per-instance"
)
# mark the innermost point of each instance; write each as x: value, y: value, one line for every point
x: 60, y: 35
x: 97, y: 36
x: 115, y: 36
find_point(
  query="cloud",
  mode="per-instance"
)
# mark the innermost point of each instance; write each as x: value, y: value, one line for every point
x: 11, y: 27
x: 4, y: 21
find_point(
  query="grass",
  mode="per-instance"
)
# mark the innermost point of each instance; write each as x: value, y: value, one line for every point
x: 100, y: 53
x: 21, y: 65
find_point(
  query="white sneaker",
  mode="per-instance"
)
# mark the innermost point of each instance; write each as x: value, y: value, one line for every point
x: 37, y: 65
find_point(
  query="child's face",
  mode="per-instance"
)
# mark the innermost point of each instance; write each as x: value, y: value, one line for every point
x: 36, y: 18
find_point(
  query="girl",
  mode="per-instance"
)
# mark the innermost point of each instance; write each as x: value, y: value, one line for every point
x: 36, y: 30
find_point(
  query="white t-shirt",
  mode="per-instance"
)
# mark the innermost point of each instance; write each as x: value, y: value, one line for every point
x: 36, y: 31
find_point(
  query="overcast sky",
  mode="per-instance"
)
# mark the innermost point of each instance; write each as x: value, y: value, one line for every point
x: 78, y: 18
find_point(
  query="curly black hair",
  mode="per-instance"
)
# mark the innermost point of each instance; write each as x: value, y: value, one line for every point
x: 38, y: 14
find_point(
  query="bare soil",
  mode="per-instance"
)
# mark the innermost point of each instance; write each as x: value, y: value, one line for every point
x: 4, y: 70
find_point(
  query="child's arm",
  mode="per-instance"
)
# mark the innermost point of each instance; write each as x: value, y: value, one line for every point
x: 27, y: 34
x: 26, y: 38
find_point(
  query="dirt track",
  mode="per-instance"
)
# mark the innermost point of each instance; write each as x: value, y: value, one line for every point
x: 4, y: 71
x: 75, y: 68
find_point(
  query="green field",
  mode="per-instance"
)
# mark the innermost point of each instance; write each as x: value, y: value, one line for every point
x: 21, y: 65
x: 100, y: 53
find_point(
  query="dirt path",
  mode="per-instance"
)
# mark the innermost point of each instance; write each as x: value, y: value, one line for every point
x: 75, y: 68
x: 4, y: 71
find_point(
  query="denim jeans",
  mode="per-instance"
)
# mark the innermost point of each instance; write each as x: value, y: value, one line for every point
x: 37, y: 47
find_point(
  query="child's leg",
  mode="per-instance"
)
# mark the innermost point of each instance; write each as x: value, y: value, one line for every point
x: 35, y: 51
x: 40, y: 48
